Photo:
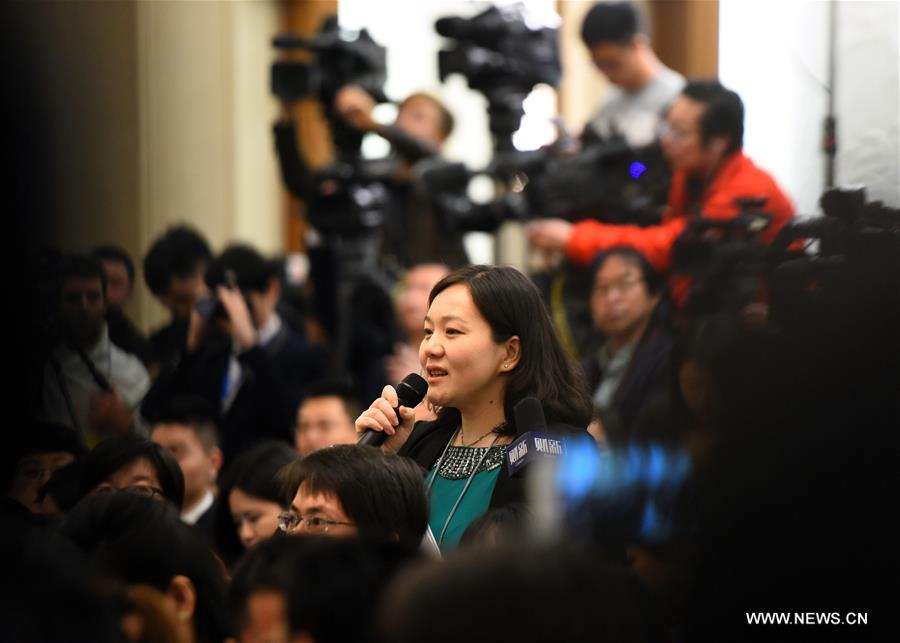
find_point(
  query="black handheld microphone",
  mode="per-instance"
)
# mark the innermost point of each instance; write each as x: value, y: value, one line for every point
x: 533, y: 441
x: 410, y: 391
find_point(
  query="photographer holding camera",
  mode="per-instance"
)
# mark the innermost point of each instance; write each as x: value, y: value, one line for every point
x: 422, y: 126
x: 240, y: 357
x: 411, y: 229
x: 702, y: 140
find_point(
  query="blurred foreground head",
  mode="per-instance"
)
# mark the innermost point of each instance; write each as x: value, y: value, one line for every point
x: 517, y: 595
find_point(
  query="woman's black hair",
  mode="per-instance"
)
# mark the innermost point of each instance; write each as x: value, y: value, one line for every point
x: 114, y: 453
x: 512, y: 305
x: 51, y: 592
x: 254, y: 472
x: 142, y: 541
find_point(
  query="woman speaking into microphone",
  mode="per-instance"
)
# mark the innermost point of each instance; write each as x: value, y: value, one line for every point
x: 488, y: 344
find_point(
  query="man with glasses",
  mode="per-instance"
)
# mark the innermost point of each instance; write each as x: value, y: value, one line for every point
x: 629, y: 368
x: 353, y: 490
x: 702, y: 141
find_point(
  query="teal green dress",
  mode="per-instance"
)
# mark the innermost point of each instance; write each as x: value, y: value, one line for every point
x: 456, y: 468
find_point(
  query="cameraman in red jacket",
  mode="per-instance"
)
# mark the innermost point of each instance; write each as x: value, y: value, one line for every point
x: 702, y: 139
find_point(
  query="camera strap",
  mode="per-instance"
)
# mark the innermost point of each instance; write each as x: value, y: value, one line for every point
x: 97, y: 376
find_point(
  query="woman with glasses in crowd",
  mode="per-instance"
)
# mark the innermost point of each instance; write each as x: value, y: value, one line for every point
x: 488, y: 344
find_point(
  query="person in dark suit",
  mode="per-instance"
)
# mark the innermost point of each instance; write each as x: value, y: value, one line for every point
x: 173, y: 270
x: 240, y: 357
x: 187, y: 428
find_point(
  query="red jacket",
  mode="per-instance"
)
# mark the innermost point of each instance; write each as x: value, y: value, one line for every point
x: 737, y: 177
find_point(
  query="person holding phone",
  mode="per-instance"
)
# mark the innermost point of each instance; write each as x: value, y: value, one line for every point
x: 488, y: 344
x: 240, y: 357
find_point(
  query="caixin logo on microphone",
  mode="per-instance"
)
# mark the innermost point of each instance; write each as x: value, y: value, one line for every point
x: 531, y: 446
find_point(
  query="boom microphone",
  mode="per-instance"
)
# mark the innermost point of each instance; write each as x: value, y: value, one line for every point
x: 410, y: 391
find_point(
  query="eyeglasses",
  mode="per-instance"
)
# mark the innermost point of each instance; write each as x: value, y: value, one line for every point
x: 664, y: 130
x: 288, y: 522
x: 621, y: 287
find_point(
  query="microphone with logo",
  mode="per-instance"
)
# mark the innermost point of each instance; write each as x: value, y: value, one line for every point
x: 533, y: 443
x: 410, y: 391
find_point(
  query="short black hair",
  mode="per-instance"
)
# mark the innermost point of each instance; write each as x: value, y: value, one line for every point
x: 383, y: 494
x: 195, y: 413
x: 252, y: 270
x: 319, y: 578
x: 46, y: 437
x: 82, y: 266
x: 114, y: 453
x: 64, y: 486
x: 255, y: 472
x: 653, y: 279
x: 51, y: 592
x: 180, y: 252
x: 491, y: 595
x: 611, y: 22
x: 110, y: 252
x: 40, y: 437
x: 724, y: 114
x: 142, y: 541
x: 335, y: 388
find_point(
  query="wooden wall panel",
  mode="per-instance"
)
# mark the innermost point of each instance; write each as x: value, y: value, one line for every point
x: 685, y: 35
x: 304, y: 17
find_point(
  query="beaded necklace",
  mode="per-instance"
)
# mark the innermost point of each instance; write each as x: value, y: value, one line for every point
x: 437, y: 469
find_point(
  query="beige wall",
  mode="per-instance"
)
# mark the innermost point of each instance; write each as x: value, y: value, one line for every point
x: 583, y: 87
x: 205, y: 125
x: 159, y: 113
x: 85, y: 70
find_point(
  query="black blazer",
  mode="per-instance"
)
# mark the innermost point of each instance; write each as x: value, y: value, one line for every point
x: 429, y: 438
x: 275, y: 377
x: 646, y: 378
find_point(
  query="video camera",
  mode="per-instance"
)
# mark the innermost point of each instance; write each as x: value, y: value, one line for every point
x: 503, y: 57
x: 349, y: 198
x: 729, y: 263
x: 625, y: 184
x: 725, y: 258
x: 341, y: 58
x: 858, y: 246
